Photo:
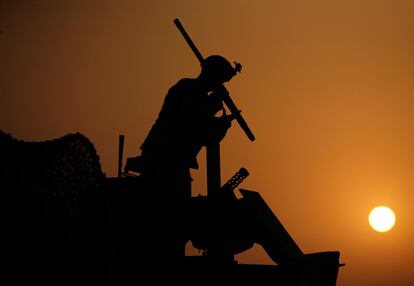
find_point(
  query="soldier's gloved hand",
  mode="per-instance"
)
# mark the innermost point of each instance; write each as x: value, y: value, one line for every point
x: 221, y: 125
x: 220, y: 90
x: 216, y: 98
x: 215, y: 103
x: 226, y: 121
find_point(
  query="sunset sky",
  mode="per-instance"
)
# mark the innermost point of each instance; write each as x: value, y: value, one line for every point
x: 327, y: 88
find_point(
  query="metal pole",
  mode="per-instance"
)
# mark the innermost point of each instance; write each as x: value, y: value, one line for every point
x: 120, y: 154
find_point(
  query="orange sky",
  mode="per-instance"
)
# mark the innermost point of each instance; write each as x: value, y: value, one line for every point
x: 327, y: 88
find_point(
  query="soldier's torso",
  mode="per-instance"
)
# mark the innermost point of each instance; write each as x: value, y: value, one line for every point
x: 179, y: 131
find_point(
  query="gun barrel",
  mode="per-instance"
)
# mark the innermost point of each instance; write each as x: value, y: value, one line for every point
x: 234, y: 181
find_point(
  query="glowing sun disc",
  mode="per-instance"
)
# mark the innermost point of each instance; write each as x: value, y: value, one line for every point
x: 381, y: 219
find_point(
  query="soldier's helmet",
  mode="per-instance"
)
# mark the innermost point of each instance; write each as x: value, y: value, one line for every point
x: 217, y: 68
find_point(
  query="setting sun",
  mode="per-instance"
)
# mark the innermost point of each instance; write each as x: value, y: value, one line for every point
x: 381, y: 219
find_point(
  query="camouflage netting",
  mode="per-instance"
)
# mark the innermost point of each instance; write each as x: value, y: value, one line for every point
x: 54, y: 209
x: 57, y: 170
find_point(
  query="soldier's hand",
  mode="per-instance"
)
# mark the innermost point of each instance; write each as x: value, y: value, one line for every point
x: 224, y: 124
x: 215, y: 103
x: 226, y: 121
x: 233, y: 116
x: 220, y: 90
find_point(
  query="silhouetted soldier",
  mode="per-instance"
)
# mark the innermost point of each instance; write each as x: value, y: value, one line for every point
x: 189, y: 119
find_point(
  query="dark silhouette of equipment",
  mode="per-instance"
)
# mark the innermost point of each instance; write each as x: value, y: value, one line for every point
x: 67, y: 223
x: 72, y: 225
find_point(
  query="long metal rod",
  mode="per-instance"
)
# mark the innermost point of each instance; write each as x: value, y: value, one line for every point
x: 189, y: 41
